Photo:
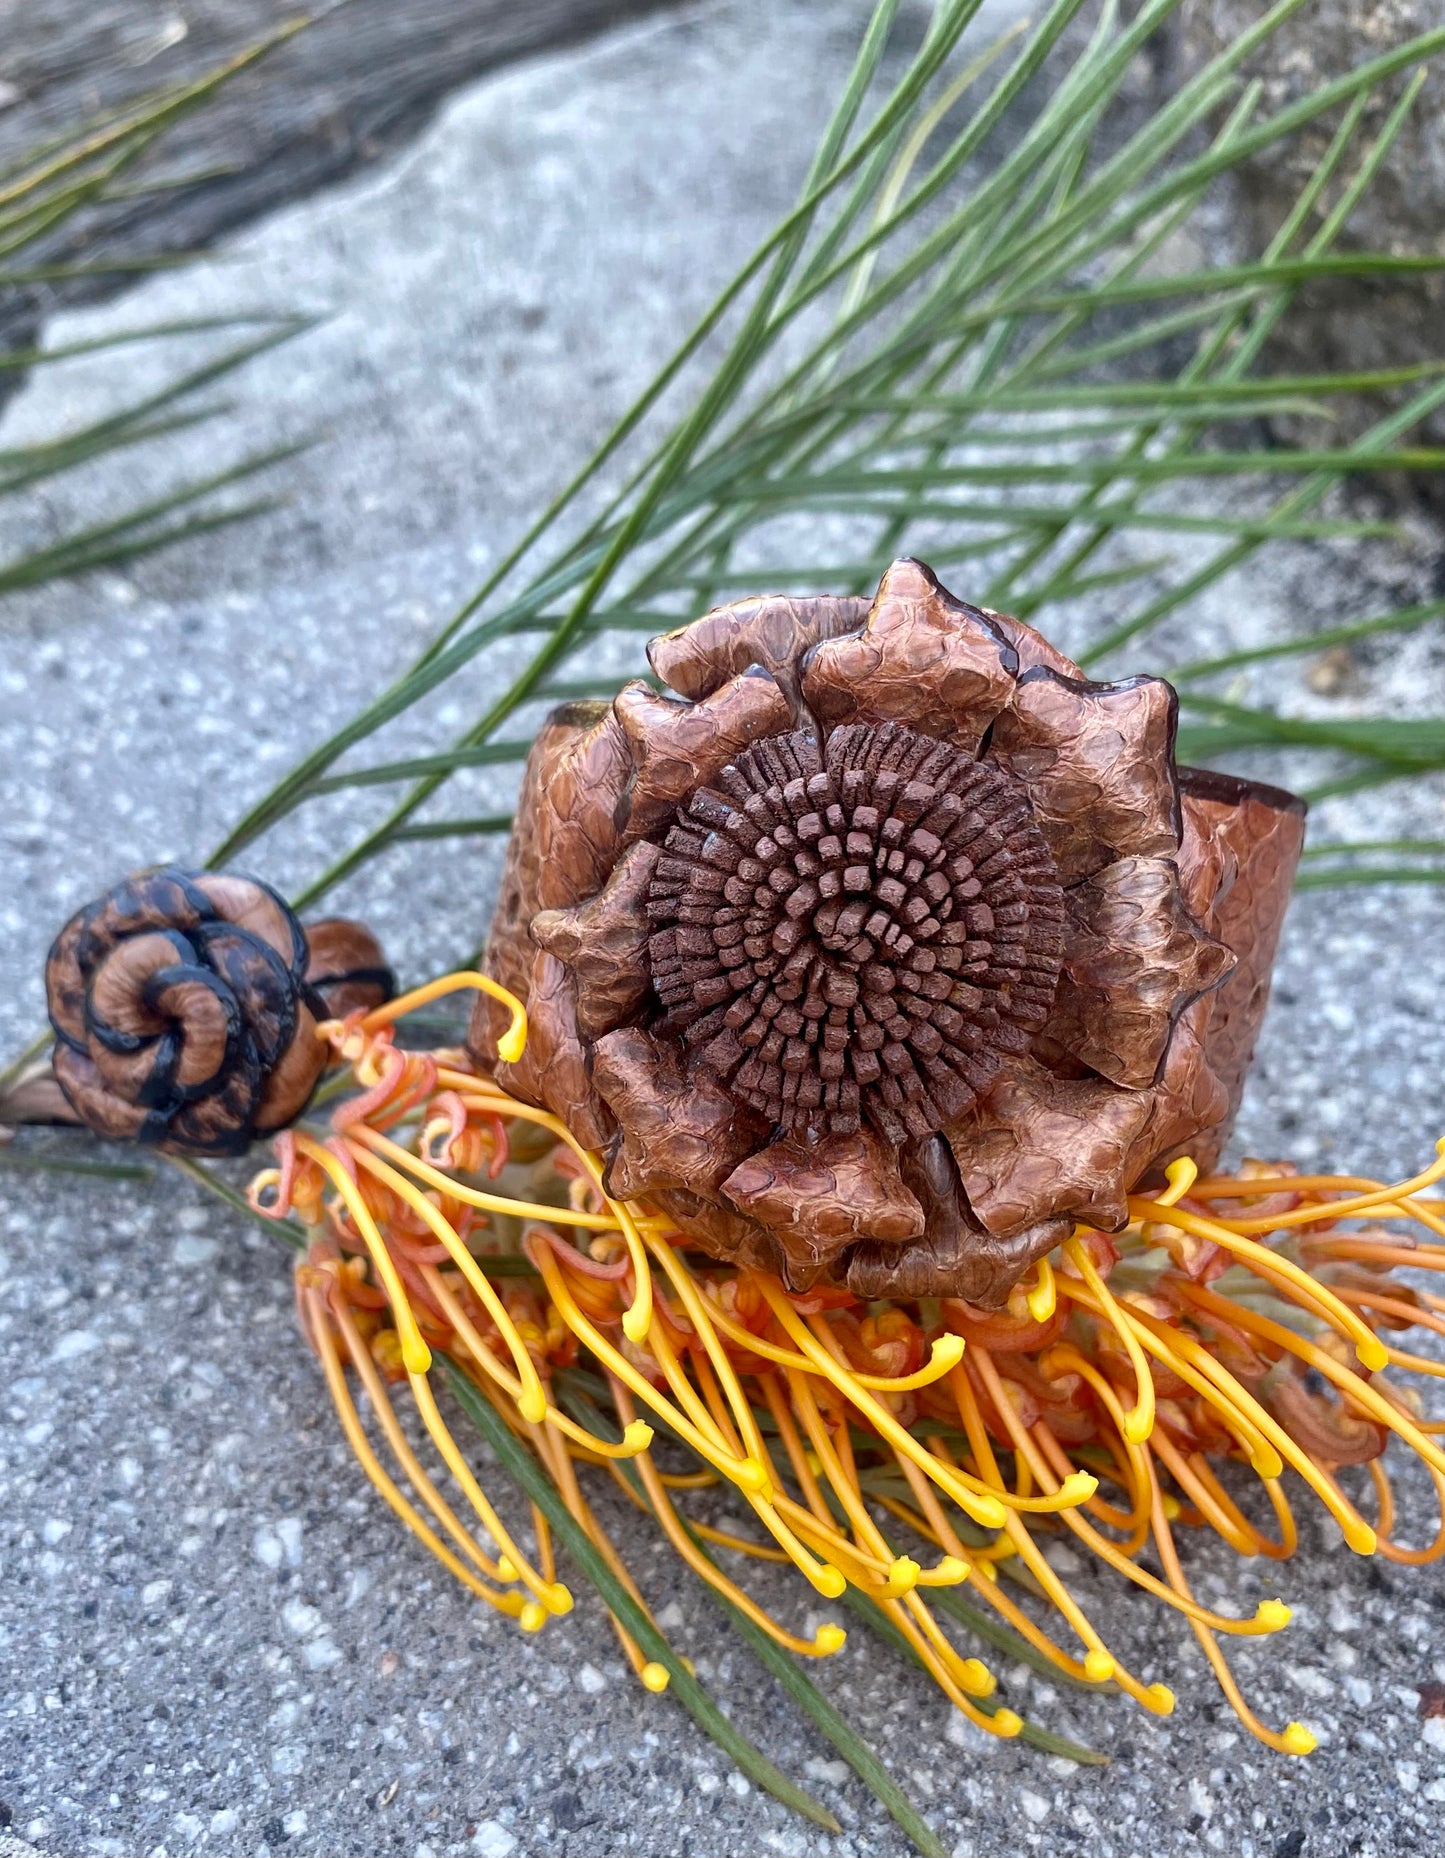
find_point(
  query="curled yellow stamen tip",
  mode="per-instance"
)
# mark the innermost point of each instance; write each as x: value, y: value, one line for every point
x: 532, y: 1617
x: 1181, y: 1176
x: 507, y: 1569
x: 976, y: 1678
x: 513, y: 1041
x: 902, y: 1577
x: 1138, y: 1425
x: 636, y: 1321
x: 1273, y: 1614
x: 948, y: 1573
x: 1099, y: 1667
x: 1373, y: 1354
x: 1172, y: 1511
x: 947, y: 1352
x: 829, y: 1639
x: 655, y: 1678
x: 1043, y: 1296
x: 557, y: 1598
x: 636, y: 1437
x: 1078, y: 1486
x: 828, y: 1581
x: 1267, y: 1463
x: 1158, y: 1699
x: 1006, y: 1723
x: 1297, y: 1740
x: 533, y: 1406
x: 1359, y: 1536
x: 987, y: 1511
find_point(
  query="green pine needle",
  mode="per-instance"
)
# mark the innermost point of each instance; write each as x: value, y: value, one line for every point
x: 42, y: 193
x: 928, y: 346
x: 37, y: 1161
x: 838, y: 1730
x: 524, y: 1469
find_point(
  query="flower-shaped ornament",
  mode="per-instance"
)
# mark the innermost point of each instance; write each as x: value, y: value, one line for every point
x: 891, y: 946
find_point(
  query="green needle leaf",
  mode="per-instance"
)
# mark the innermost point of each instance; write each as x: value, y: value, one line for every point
x: 839, y: 1731
x: 1042, y: 1739
x: 849, y: 1744
x: 525, y: 1470
x: 26, y: 1160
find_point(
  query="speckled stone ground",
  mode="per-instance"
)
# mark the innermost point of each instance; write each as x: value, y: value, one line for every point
x: 212, y: 1640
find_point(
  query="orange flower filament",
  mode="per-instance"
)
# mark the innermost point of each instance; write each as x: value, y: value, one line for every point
x: 1164, y: 1376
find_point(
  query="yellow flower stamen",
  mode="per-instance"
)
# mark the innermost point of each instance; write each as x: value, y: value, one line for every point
x: 1181, y: 1176
x: 725, y: 1538
x: 1358, y: 1392
x: 1373, y: 1200
x: 944, y: 1353
x: 1041, y: 1296
x: 498, y: 1570
x: 1356, y: 1531
x: 323, y: 1339
x: 699, y: 1313
x: 1295, y: 1738
x: 835, y: 1462
x: 1139, y: 1420
x: 637, y: 1317
x: 1267, y: 1617
x: 529, y: 1397
x: 653, y: 1676
x: 1067, y: 1358
x: 1262, y: 1456
x: 454, y: 1189
x: 415, y: 1352
x: 512, y: 1042
x: 1099, y: 1663
x: 637, y: 1436
x: 1208, y: 1498
x: 1306, y: 1289
x: 552, y: 1596
x: 979, y: 1504
x: 1385, y: 1524
x: 826, y: 1640
x: 747, y: 1474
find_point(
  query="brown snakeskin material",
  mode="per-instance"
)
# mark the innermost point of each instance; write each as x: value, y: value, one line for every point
x: 185, y: 1006
x: 798, y: 1025
x: 861, y: 933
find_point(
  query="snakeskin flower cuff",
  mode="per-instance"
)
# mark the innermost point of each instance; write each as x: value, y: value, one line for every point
x: 891, y: 946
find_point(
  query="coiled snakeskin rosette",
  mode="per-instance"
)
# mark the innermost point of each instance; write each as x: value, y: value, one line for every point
x: 892, y: 949
x: 185, y: 1006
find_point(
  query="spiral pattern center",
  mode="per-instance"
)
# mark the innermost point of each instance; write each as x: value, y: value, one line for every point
x: 861, y: 933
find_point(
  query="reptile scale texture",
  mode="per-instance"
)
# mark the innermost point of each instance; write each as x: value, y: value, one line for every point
x: 891, y: 945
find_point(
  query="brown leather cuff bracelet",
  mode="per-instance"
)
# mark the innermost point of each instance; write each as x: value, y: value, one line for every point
x: 893, y: 949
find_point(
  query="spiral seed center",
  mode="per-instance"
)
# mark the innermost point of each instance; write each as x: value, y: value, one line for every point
x: 865, y: 933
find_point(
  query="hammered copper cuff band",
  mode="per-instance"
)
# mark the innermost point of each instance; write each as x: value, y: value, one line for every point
x: 894, y: 947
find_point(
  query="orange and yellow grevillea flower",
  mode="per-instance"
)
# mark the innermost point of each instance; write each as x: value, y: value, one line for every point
x: 1167, y: 1378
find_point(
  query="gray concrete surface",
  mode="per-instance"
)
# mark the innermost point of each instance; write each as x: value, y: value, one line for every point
x: 347, y: 91
x: 1358, y: 323
x: 212, y: 1639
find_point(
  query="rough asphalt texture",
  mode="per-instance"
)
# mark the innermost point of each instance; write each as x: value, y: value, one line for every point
x: 212, y: 1638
